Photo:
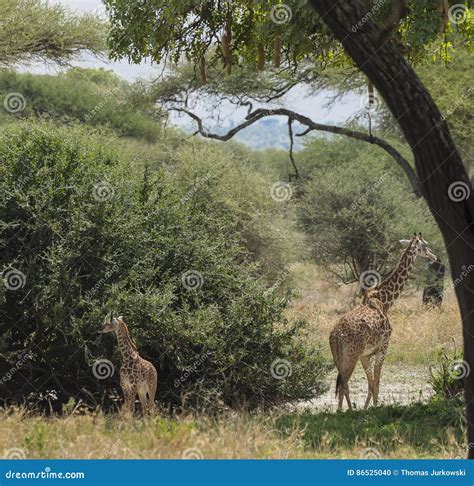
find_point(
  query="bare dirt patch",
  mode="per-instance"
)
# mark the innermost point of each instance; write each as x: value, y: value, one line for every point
x: 399, y: 385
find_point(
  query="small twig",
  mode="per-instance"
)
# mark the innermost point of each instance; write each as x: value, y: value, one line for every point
x: 292, y: 159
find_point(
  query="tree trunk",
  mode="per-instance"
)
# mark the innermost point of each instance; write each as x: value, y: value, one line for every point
x: 443, y: 178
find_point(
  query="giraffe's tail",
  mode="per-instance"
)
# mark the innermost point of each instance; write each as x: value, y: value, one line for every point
x: 338, y: 382
x: 336, y: 350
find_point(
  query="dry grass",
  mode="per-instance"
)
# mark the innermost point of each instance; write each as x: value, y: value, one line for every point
x: 236, y: 435
x: 232, y: 436
x: 418, y: 333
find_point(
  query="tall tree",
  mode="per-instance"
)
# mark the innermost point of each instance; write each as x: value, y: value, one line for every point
x: 376, y: 37
x: 443, y: 178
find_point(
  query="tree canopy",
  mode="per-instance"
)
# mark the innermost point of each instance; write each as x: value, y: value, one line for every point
x: 255, y: 31
x: 36, y: 30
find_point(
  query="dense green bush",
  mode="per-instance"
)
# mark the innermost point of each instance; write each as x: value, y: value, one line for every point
x: 87, y: 232
x: 355, y: 211
x: 266, y: 228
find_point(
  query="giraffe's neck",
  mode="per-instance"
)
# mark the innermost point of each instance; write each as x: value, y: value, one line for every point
x: 391, y: 288
x: 126, y: 347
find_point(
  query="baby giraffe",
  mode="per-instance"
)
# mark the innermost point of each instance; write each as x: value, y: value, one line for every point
x: 137, y: 376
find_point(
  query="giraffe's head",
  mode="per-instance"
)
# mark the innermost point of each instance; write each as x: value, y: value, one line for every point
x: 111, y: 324
x: 420, y: 247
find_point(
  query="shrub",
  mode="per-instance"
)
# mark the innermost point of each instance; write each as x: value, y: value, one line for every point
x: 91, y: 96
x: 447, y: 374
x: 226, y: 175
x: 87, y: 231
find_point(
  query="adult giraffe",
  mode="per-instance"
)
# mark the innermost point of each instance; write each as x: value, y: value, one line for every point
x: 364, y: 332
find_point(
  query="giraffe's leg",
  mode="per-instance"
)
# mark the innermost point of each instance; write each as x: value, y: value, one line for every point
x: 152, y: 385
x: 379, y: 358
x: 129, y: 394
x: 346, y: 372
x: 340, y: 396
x: 335, y: 346
x: 365, y: 360
x: 142, y: 395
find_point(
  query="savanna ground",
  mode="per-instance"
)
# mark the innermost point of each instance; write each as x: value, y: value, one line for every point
x: 407, y: 424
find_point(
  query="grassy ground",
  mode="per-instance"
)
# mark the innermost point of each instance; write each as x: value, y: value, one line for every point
x: 418, y: 430
x: 422, y: 430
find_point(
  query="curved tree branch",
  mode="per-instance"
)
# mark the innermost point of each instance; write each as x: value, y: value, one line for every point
x: 260, y: 113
